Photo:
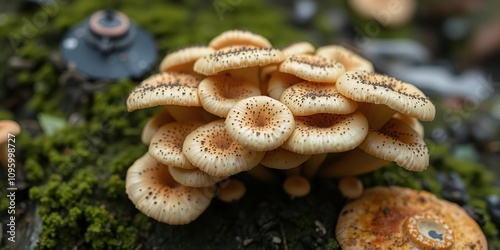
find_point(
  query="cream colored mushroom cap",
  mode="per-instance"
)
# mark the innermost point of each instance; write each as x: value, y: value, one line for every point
x: 232, y: 192
x: 395, y: 14
x: 8, y: 127
x: 239, y: 37
x: 346, y: 57
x: 154, y: 192
x: 167, y: 88
x: 308, y: 98
x: 312, y: 68
x: 159, y: 119
x: 237, y: 57
x: 279, y: 82
x: 212, y: 150
x: 327, y: 133
x: 218, y: 94
x: 397, y: 141
x: 166, y: 144
x: 178, y: 59
x: 193, y: 177
x: 260, y: 123
x: 403, y: 218
x: 298, y: 48
x: 382, y: 89
x: 296, y: 186
x: 281, y: 158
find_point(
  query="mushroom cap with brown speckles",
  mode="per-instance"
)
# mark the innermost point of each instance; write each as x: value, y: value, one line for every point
x: 308, y: 98
x: 281, y: 158
x: 167, y: 142
x: 260, y: 123
x: 193, y: 177
x: 349, y: 59
x: 183, y: 58
x: 239, y: 37
x: 154, y: 192
x: 403, y: 218
x: 218, y: 94
x: 327, y: 133
x: 167, y: 88
x: 397, y: 141
x: 212, y: 150
x: 237, y: 57
x: 377, y: 88
x: 312, y: 68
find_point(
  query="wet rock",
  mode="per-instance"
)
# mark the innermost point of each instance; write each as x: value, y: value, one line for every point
x: 452, y: 188
x: 475, y: 214
x: 493, y: 208
x: 304, y: 11
x: 484, y: 129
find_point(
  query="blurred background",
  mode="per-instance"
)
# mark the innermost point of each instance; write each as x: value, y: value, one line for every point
x: 448, y: 48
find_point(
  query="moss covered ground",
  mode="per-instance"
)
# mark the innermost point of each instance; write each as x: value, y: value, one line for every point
x: 74, y: 171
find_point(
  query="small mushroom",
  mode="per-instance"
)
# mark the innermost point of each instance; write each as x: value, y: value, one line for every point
x: 166, y: 144
x: 327, y: 133
x: 349, y: 59
x: 182, y: 60
x: 260, y: 123
x: 232, y: 192
x: 382, y: 96
x: 312, y: 68
x: 150, y: 186
x: 8, y: 129
x: 218, y: 94
x: 309, y: 98
x: 167, y: 88
x: 159, y: 119
x: 238, y: 37
x: 296, y: 186
x: 403, y: 218
x: 212, y: 150
x: 350, y: 187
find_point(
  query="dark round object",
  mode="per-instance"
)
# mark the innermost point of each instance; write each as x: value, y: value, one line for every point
x: 453, y: 188
x: 475, y: 214
x: 493, y: 208
x: 108, y: 45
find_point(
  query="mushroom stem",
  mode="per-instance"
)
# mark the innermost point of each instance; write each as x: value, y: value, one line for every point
x: 355, y: 162
x: 185, y: 113
x: 250, y: 73
x: 312, y: 165
x: 376, y: 114
x: 262, y: 173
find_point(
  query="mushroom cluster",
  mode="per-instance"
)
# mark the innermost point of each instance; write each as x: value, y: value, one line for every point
x: 239, y: 104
